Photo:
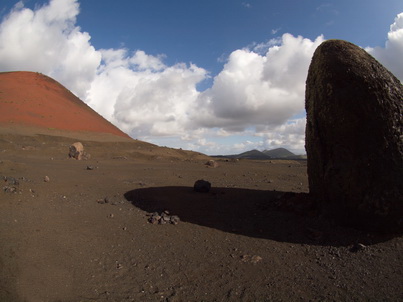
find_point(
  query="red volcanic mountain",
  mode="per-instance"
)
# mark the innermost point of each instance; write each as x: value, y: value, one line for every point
x: 35, y: 100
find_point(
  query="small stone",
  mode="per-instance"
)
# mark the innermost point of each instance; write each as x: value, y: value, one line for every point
x: 11, y: 181
x: 8, y: 189
x: 175, y: 219
x: 155, y: 218
x: 202, y: 186
x: 166, y: 218
x: 46, y: 179
x: 211, y: 164
x: 90, y: 168
x: 358, y: 247
x: 251, y: 259
x: 255, y: 259
x: 111, y: 215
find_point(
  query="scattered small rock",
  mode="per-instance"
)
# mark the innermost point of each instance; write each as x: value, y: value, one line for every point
x: 120, y: 157
x: 163, y: 218
x: 202, y: 186
x: 174, y: 219
x: 103, y: 200
x: 211, y: 164
x: 358, y: 247
x: 90, y: 168
x: 251, y: 259
x: 11, y: 181
x: 9, y: 189
x: 154, y: 218
x: 46, y: 179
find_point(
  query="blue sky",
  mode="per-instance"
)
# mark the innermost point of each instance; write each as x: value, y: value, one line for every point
x: 219, y: 77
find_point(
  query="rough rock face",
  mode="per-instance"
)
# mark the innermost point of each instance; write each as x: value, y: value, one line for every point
x: 354, y: 138
x: 76, y: 151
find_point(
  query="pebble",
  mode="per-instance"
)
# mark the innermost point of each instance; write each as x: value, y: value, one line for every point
x: 11, y: 181
x: 358, y: 247
x: 8, y: 189
x: 46, y: 179
x: 251, y: 259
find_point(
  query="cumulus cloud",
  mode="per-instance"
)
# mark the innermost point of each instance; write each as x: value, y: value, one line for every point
x: 48, y: 41
x: 391, y: 55
x: 255, y: 89
x: 290, y: 135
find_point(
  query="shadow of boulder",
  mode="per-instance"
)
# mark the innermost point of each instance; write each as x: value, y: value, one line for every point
x: 279, y: 216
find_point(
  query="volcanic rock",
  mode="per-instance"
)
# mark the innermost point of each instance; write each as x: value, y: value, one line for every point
x: 354, y: 137
x: 202, y: 186
x: 163, y: 218
x: 76, y: 151
x: 211, y: 164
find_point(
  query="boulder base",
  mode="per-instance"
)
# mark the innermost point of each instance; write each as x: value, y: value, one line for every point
x: 354, y: 138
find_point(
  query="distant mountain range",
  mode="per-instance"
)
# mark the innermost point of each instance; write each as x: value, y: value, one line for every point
x: 278, y: 153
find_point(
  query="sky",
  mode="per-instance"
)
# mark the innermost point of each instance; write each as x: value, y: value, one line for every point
x: 214, y: 76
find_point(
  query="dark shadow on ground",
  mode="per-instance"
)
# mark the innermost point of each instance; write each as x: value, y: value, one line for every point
x: 280, y: 216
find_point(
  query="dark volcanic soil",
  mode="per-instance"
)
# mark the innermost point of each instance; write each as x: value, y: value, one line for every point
x: 246, y: 240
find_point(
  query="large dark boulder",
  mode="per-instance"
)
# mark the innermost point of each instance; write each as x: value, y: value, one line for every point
x: 354, y: 138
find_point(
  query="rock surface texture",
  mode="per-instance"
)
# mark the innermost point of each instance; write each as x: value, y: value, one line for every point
x: 76, y: 151
x: 354, y: 138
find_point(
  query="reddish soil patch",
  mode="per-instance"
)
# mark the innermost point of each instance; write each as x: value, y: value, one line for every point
x: 33, y: 99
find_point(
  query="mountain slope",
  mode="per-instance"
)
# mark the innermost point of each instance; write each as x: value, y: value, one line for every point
x: 279, y: 153
x: 33, y: 99
x: 253, y: 154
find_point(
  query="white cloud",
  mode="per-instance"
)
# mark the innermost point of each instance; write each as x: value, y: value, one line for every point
x: 255, y: 89
x: 47, y: 40
x: 290, y: 135
x: 157, y: 104
x: 391, y: 55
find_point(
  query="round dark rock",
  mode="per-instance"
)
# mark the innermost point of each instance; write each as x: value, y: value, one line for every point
x: 354, y: 138
x: 202, y: 186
